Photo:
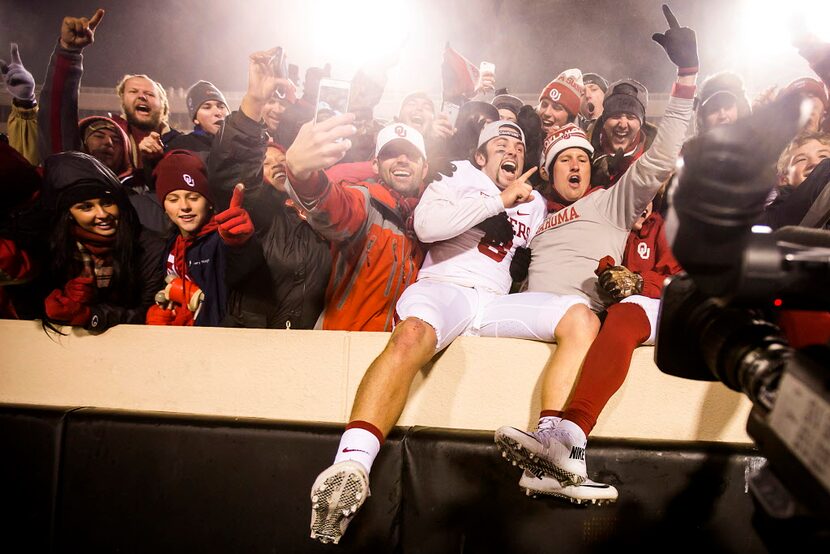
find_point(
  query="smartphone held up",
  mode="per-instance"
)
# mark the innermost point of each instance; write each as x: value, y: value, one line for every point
x: 332, y: 99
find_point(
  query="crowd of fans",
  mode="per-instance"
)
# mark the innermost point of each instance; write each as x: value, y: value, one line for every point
x: 505, y: 220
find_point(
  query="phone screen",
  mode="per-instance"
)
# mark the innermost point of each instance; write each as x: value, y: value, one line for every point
x: 332, y: 99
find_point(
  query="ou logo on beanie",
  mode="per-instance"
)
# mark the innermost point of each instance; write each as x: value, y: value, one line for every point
x: 555, y: 95
x: 181, y: 170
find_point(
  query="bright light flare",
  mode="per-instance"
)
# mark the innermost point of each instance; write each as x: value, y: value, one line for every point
x: 351, y: 33
x: 769, y: 26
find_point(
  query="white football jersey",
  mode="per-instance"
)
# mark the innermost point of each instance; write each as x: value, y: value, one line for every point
x: 458, y: 251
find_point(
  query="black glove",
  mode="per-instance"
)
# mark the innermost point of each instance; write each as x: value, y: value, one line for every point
x: 520, y: 264
x: 679, y: 43
x: 497, y: 229
x: 440, y: 168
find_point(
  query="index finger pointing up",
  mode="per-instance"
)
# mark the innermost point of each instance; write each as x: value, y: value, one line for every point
x: 673, y: 24
x: 527, y: 174
x: 96, y: 19
x: 238, y: 195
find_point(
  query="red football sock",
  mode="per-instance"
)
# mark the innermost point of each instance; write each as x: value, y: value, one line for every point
x: 551, y: 413
x: 606, y: 364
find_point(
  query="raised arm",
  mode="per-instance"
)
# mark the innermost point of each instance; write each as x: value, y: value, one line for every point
x: 643, y: 179
x: 58, y: 115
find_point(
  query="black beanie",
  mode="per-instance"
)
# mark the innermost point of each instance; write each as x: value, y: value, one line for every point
x: 200, y: 93
x: 625, y: 96
x: 595, y: 79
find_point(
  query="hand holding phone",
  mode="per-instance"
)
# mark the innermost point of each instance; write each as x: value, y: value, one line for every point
x: 451, y: 111
x: 486, y: 79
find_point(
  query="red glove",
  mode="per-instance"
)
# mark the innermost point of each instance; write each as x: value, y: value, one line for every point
x: 63, y: 309
x: 184, y: 318
x: 15, y: 264
x: 607, y: 262
x: 80, y: 289
x: 235, y: 225
x: 157, y: 315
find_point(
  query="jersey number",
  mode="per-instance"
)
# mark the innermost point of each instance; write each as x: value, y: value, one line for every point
x: 492, y: 249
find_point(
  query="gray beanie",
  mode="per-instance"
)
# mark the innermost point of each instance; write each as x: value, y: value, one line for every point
x: 625, y: 96
x: 200, y: 93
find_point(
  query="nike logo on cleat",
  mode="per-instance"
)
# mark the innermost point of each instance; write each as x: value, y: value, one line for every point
x: 577, y: 453
x: 347, y: 450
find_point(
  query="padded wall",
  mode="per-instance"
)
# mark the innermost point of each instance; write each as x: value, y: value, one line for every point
x: 145, y: 482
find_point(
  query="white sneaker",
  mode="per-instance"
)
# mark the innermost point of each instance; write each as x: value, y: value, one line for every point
x: 337, y: 494
x: 588, y: 492
x: 555, y: 452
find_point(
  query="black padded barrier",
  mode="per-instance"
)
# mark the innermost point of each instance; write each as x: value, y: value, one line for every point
x: 143, y: 482
x: 160, y: 483
x: 461, y: 496
x: 30, y: 439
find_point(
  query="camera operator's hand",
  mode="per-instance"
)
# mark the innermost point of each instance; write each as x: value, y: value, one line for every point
x: 680, y: 43
x: 79, y: 32
x: 263, y: 82
x: 18, y: 79
x: 317, y: 146
x: 620, y: 282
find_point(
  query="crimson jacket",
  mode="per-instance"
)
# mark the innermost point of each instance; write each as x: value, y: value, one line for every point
x: 375, y: 253
x: 647, y: 252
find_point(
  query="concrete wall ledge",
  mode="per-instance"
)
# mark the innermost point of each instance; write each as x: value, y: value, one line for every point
x: 477, y: 383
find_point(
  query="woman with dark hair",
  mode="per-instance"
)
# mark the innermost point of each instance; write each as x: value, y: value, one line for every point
x: 103, y: 265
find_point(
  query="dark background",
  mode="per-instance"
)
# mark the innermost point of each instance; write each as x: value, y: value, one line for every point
x: 180, y: 42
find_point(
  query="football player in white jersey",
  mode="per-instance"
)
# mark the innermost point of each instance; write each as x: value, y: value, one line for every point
x: 473, y: 220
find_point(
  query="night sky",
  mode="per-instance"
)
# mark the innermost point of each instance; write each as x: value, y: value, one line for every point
x: 530, y: 42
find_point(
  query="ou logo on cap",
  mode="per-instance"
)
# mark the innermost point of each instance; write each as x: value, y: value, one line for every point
x: 555, y: 95
x: 188, y: 180
x: 400, y: 131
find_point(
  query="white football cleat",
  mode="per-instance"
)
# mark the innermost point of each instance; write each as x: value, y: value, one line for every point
x: 337, y: 494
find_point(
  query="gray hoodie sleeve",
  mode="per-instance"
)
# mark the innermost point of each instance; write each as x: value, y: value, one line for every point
x: 627, y: 199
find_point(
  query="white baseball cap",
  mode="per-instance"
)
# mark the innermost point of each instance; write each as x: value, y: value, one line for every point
x: 399, y: 131
x: 500, y: 129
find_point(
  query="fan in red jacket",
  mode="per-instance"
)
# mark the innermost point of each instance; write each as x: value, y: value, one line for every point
x: 631, y: 321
